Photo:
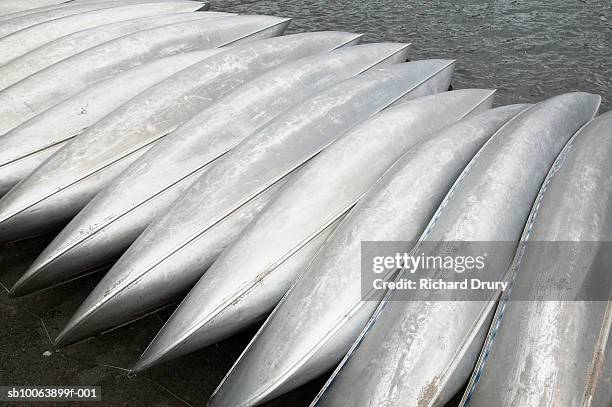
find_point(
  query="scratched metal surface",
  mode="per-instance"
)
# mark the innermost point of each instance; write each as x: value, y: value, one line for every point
x: 527, y: 50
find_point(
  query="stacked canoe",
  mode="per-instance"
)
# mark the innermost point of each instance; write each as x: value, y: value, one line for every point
x: 205, y: 157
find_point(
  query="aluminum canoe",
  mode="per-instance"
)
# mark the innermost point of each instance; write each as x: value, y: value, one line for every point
x: 602, y: 395
x: 548, y: 347
x: 23, y: 41
x: 28, y: 145
x: 50, y: 86
x: 72, y: 3
x: 43, y: 200
x: 213, y: 211
x: 121, y: 211
x: 391, y: 361
x: 15, y: 6
x: 315, y: 324
x: 318, y: 196
x: 12, y: 23
x: 69, y: 45
x: 54, y: 6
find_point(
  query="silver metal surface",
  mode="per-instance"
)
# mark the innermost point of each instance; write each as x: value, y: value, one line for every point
x: 19, y: 43
x: 64, y: 184
x: 69, y: 45
x: 50, y: 86
x: 49, y: 7
x: 10, y: 23
x: 121, y: 211
x: 603, y: 393
x: 317, y: 197
x: 552, y: 352
x: 15, y: 6
x: 315, y: 324
x: 28, y: 145
x: 176, y: 249
x: 422, y: 352
x: 59, y: 5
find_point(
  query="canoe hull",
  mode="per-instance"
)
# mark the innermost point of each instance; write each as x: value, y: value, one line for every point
x: 323, y: 313
x: 30, y: 144
x: 236, y: 187
x: 554, y: 349
x: 251, y: 294
x: 119, y: 213
x: 48, y: 87
x: 14, y: 6
x: 506, y: 173
x: 28, y: 39
x: 69, y: 45
x: 60, y: 187
x: 12, y: 23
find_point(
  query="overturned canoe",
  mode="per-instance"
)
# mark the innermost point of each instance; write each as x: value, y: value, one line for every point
x: 64, y: 184
x: 213, y: 211
x: 69, y: 3
x: 548, y: 346
x: 28, y: 145
x: 15, y: 6
x: 15, y: 45
x: 50, y: 86
x: 14, y: 22
x: 315, y: 324
x: 50, y: 7
x: 391, y: 362
x: 69, y: 45
x: 121, y: 211
x: 298, y: 219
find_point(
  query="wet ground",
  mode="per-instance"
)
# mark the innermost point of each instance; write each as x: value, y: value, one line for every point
x: 526, y: 50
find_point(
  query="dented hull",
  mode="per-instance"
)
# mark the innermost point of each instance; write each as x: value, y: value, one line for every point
x: 551, y: 350
x: 316, y: 198
x: 213, y: 211
x: 69, y: 45
x: 48, y: 87
x: 120, y: 212
x: 392, y: 359
x: 27, y: 146
x: 14, y: 6
x: 28, y: 39
x: 324, y: 313
x: 12, y: 23
x: 62, y: 186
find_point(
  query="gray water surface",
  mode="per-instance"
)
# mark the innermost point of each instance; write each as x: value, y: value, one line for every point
x: 528, y: 50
